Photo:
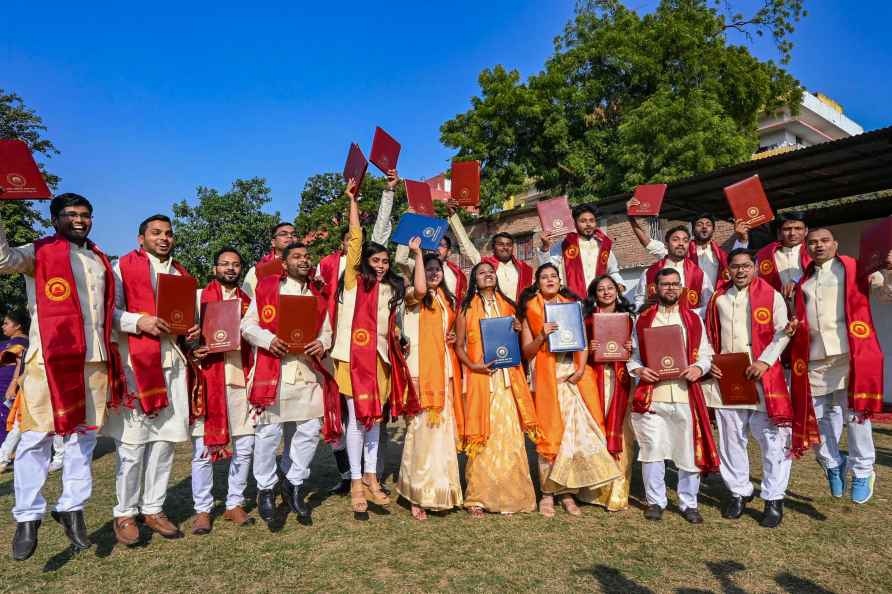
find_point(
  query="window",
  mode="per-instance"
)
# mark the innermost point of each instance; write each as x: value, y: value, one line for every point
x: 523, y: 247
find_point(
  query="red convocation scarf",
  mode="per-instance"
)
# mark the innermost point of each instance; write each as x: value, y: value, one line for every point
x: 720, y: 256
x: 268, y: 367
x: 61, y: 325
x: 573, y: 263
x: 213, y: 378
x: 615, y: 414
x: 524, y: 273
x: 693, y: 280
x: 328, y: 271
x: 768, y: 267
x: 145, y: 349
x: 705, y: 454
x: 865, y: 357
x: 461, y: 281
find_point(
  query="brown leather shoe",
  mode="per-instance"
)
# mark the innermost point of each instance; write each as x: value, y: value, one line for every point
x: 238, y: 516
x: 202, y: 523
x: 126, y: 530
x: 160, y: 524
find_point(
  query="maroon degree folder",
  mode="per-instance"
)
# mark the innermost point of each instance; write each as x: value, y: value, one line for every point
x: 356, y: 166
x: 664, y: 351
x: 736, y: 389
x: 876, y: 242
x: 466, y: 182
x: 220, y: 321
x: 748, y: 202
x: 298, y: 317
x: 20, y: 178
x: 612, y: 331
x: 419, y: 195
x: 175, y: 303
x: 385, y: 151
x: 555, y: 215
x: 650, y: 198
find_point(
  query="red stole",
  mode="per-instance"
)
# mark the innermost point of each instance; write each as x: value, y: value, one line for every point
x: 573, y: 263
x: 61, y: 326
x: 705, y: 454
x: 367, y: 399
x: 461, y: 281
x: 145, y: 350
x: 865, y: 357
x: 615, y: 414
x: 213, y: 376
x: 767, y: 267
x: 524, y: 273
x: 720, y: 256
x: 328, y: 271
x: 778, y: 405
x: 267, y: 367
x: 693, y: 281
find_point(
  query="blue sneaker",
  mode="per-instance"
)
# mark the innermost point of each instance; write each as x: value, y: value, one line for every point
x: 862, y: 488
x: 837, y: 478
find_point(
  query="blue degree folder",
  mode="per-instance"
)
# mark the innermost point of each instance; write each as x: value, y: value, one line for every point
x: 570, y: 335
x: 500, y: 342
x: 431, y: 230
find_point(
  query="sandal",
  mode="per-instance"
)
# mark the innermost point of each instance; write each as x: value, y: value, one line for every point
x: 569, y: 505
x: 418, y: 513
x: 476, y: 512
x: 546, y: 506
x: 357, y: 498
x: 373, y: 491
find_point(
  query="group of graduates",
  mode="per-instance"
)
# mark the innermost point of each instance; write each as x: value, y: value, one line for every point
x: 398, y: 335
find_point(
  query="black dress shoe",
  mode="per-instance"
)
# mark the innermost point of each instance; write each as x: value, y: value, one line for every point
x: 735, y: 506
x: 75, y: 528
x: 300, y: 506
x: 24, y: 542
x: 692, y: 515
x: 653, y: 512
x: 288, y: 494
x: 266, y: 504
x: 342, y: 487
x: 774, y: 514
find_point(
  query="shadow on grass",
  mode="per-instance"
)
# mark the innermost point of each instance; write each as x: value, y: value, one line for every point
x: 613, y: 580
x: 798, y: 585
x: 723, y: 572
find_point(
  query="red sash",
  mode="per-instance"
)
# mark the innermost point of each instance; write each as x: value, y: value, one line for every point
x: 367, y: 399
x: 865, y: 357
x: 328, y: 272
x: 615, y: 414
x: 213, y: 377
x: 706, y: 456
x: 693, y: 280
x: 62, y: 339
x: 145, y: 350
x: 573, y: 263
x: 778, y: 404
x: 461, y: 281
x: 524, y: 273
x: 720, y: 256
x: 767, y: 267
x: 267, y: 367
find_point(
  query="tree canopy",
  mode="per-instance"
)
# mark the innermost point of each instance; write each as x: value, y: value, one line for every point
x: 628, y: 99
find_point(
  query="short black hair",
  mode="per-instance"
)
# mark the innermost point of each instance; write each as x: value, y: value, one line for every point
x: 827, y: 229
x: 791, y: 216
x: 666, y: 272
x: 280, y: 225
x: 225, y: 250
x: 68, y: 199
x: 20, y: 316
x: 292, y: 246
x: 504, y: 234
x: 447, y: 240
x: 155, y: 217
x: 704, y: 215
x: 743, y: 252
x: 588, y: 207
x: 675, y: 230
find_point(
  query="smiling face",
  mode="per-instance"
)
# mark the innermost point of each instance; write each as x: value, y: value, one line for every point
x: 503, y: 249
x: 228, y: 269
x: 549, y: 282
x: 485, y: 276
x: 380, y: 263
x: 678, y: 245
x: 282, y: 238
x: 74, y: 223
x: 433, y: 272
x: 158, y: 239
x: 742, y: 270
x: 605, y: 293
x: 586, y: 224
x: 298, y: 264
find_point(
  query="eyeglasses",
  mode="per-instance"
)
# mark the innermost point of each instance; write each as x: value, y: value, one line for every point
x: 741, y: 266
x: 84, y: 216
x: 669, y: 285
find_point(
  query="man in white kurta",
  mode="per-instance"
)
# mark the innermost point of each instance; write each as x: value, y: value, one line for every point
x: 667, y: 433
x: 829, y: 364
x: 145, y: 444
x: 787, y: 253
x: 227, y: 269
x: 283, y: 235
x: 72, y: 218
x: 299, y: 398
x: 736, y: 422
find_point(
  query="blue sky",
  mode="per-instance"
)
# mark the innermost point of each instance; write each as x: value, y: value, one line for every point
x: 147, y: 104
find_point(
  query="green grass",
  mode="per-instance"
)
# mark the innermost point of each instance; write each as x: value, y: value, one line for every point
x: 824, y: 544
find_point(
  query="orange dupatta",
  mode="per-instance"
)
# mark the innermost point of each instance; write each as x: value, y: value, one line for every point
x: 432, y: 352
x: 479, y: 390
x: 548, y: 409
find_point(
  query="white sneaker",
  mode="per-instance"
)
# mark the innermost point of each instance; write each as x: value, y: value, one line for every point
x: 55, y: 467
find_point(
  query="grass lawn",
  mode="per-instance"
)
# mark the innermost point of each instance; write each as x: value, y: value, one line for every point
x: 824, y: 544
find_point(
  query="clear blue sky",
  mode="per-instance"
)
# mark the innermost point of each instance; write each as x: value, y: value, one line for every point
x: 146, y: 102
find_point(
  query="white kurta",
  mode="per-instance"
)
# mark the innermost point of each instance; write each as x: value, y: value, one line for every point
x: 131, y: 426
x: 299, y: 396
x: 589, y: 254
x: 735, y: 319
x: 706, y: 260
x: 507, y: 273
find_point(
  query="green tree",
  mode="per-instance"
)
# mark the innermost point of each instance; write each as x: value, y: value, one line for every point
x: 23, y: 223
x: 231, y: 219
x: 628, y: 99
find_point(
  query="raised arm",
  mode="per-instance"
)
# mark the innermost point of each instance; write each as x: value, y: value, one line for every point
x: 419, y: 278
x: 383, y: 227
x: 15, y: 259
x: 354, y: 241
x: 458, y: 229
